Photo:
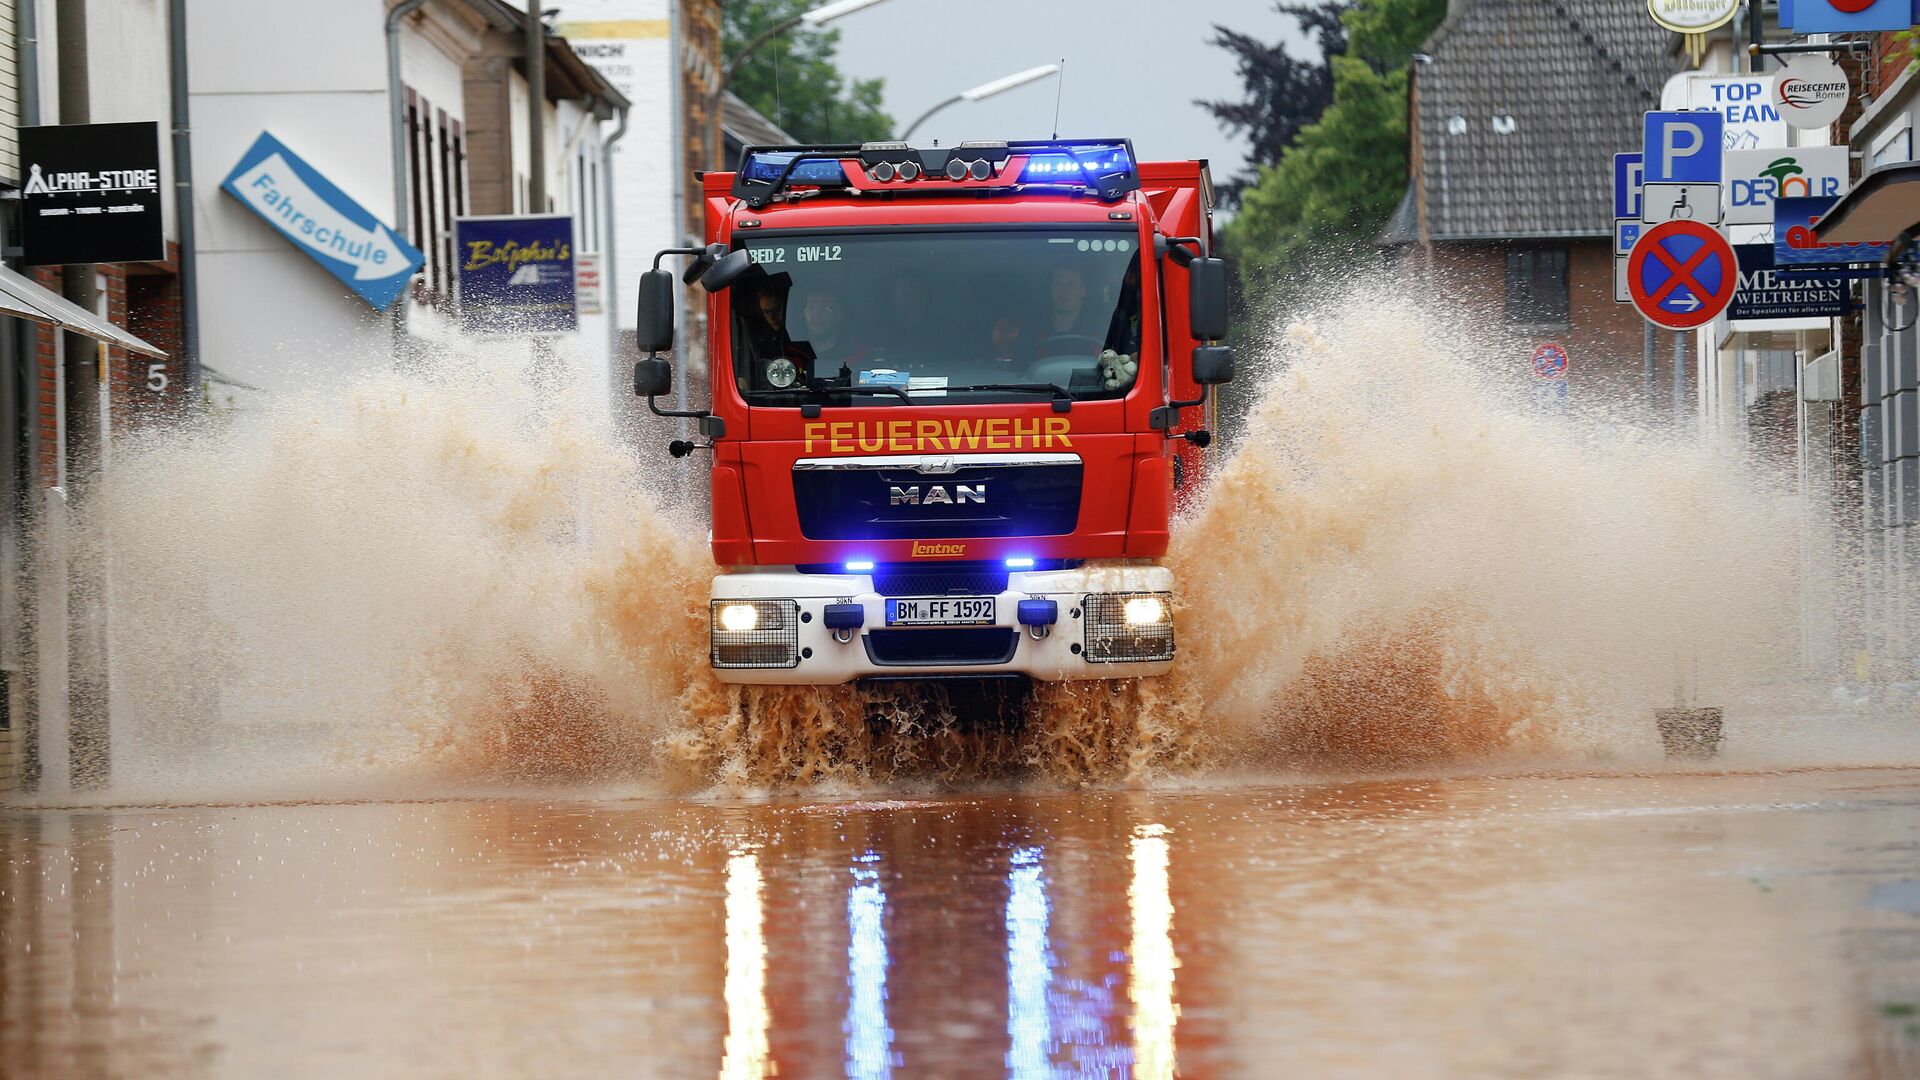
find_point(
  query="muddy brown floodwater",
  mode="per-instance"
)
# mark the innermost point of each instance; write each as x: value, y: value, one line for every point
x: 1738, y: 925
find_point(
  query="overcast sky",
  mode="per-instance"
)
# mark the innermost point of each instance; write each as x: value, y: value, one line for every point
x: 1134, y: 68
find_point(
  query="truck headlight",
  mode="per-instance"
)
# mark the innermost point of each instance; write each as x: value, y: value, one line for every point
x: 739, y: 618
x: 755, y: 633
x: 1127, y: 627
x: 1144, y: 611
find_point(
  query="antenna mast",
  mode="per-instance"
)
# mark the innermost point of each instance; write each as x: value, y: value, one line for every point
x: 1059, y: 88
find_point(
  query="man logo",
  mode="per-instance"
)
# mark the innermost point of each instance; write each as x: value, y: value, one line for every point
x: 938, y: 495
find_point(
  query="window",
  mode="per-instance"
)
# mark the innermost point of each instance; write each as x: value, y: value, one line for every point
x: 952, y: 318
x: 1537, y: 286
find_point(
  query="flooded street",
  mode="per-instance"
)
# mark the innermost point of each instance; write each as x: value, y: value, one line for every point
x: 1758, y: 924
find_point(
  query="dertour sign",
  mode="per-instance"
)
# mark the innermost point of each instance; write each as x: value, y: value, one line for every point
x: 1692, y: 16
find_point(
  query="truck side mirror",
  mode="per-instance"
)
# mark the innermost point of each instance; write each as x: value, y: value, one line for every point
x: 698, y: 266
x: 654, y: 329
x: 727, y: 270
x: 652, y: 377
x: 1207, y: 299
x: 1212, y: 365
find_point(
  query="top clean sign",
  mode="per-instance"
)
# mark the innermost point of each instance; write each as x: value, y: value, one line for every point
x: 1683, y: 147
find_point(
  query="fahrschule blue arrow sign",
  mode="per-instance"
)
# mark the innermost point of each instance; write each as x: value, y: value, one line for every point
x: 320, y: 220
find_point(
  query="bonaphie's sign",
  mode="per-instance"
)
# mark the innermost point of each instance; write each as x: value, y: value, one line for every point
x: 92, y: 194
x: 516, y: 274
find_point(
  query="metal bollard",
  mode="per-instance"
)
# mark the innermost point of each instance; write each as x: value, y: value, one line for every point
x: 1690, y: 734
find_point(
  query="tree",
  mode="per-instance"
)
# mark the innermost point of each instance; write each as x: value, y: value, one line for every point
x: 1284, y: 92
x: 793, y: 80
x: 1339, y: 179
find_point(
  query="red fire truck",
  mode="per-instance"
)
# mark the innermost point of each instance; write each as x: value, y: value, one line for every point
x: 956, y: 395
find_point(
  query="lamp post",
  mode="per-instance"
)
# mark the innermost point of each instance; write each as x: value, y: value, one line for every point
x: 812, y: 17
x: 986, y: 90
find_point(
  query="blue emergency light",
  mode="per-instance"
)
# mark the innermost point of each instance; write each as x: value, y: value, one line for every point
x: 773, y: 166
x: 1103, y: 167
x: 1078, y: 164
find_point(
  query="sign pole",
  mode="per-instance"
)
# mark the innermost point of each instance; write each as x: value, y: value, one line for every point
x: 1679, y: 375
x: 1649, y: 375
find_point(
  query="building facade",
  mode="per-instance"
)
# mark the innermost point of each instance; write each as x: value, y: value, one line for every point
x: 1514, y: 112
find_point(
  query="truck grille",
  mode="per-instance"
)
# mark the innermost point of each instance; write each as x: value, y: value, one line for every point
x: 899, y: 502
x: 953, y: 579
x: 948, y: 646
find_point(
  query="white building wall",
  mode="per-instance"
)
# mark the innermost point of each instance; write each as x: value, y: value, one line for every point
x: 128, y: 77
x: 270, y: 316
x: 630, y: 43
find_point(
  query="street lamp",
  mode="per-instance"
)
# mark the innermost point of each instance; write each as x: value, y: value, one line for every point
x: 813, y: 17
x: 986, y: 90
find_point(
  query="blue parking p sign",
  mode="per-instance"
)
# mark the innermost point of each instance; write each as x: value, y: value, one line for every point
x: 1683, y: 147
x: 1626, y: 186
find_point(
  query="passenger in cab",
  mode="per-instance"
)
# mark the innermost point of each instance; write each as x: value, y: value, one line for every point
x: 828, y: 343
x: 1071, y: 326
x: 909, y: 329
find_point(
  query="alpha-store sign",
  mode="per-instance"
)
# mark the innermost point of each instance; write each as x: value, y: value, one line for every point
x: 92, y: 194
x: 1692, y: 16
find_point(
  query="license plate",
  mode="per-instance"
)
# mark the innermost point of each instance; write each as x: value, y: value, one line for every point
x: 941, y: 611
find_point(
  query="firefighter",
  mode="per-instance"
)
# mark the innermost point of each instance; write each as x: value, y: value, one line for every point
x: 828, y: 344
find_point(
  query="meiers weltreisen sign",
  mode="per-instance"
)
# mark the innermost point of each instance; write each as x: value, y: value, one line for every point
x: 92, y: 194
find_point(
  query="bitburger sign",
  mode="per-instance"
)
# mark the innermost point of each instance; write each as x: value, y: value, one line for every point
x: 92, y: 194
x: 1692, y: 16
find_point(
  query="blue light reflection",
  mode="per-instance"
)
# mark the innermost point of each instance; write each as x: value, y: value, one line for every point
x: 869, y: 1045
x: 1029, y: 968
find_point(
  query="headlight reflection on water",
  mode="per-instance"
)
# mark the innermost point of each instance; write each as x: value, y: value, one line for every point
x: 1151, y: 972
x: 746, y: 986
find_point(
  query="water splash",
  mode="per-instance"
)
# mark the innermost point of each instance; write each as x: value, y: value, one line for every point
x: 442, y: 577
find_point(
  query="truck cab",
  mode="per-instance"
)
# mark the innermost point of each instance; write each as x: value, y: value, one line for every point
x: 956, y: 396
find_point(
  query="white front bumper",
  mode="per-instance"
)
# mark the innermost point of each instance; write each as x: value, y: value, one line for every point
x: 825, y: 660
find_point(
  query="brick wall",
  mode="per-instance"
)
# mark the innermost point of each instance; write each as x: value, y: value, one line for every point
x: 1604, y: 339
x: 46, y: 464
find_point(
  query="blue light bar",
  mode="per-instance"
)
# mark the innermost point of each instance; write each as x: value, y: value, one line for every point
x: 859, y: 566
x: 1077, y: 164
x: 765, y: 167
x: 1020, y: 562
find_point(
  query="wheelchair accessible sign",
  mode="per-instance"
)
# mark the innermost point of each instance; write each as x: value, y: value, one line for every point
x: 1682, y: 274
x: 323, y: 222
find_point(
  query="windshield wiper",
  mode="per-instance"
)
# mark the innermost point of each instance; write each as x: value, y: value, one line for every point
x: 821, y: 390
x: 1062, y: 401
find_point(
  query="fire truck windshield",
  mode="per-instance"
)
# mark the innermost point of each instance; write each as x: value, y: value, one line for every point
x: 938, y: 317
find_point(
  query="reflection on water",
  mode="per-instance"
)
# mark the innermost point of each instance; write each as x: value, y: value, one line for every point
x: 869, y: 1039
x: 1666, y: 925
x: 746, y: 1053
x: 1029, y: 968
x: 1151, y: 904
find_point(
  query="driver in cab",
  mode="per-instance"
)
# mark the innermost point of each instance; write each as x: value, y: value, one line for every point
x: 1072, y: 327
